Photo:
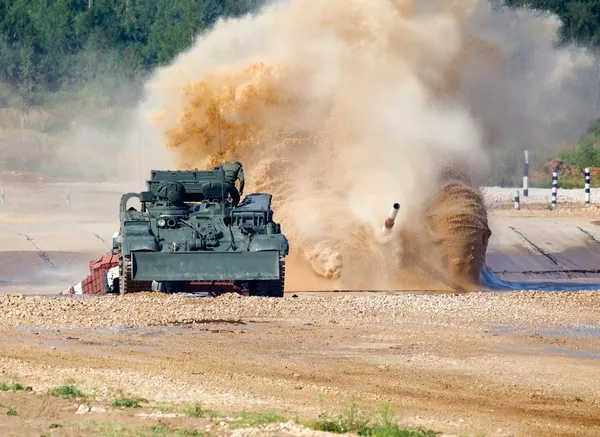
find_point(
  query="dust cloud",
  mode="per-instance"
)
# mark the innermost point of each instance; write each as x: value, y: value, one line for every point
x: 341, y: 108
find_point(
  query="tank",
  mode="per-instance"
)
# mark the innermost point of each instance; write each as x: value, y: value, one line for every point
x: 189, y: 236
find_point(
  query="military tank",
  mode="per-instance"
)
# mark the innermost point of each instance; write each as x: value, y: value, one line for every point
x: 189, y: 236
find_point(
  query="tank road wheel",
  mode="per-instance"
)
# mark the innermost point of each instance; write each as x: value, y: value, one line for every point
x: 273, y: 288
x: 128, y: 285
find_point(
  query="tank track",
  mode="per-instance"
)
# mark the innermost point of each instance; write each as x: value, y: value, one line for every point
x: 126, y: 284
x: 272, y: 288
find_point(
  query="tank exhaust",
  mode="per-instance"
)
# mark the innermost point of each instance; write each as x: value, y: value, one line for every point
x: 390, y: 220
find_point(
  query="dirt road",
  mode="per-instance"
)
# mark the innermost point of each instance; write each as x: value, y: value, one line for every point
x: 494, y: 364
x: 502, y: 364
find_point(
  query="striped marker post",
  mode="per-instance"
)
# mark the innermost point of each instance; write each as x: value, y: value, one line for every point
x: 587, y: 186
x: 3, y: 197
x: 517, y: 203
x: 526, y: 175
x: 68, y: 199
x: 554, y: 188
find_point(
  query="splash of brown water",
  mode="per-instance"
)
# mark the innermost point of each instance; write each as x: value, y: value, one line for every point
x: 452, y: 237
x: 339, y: 109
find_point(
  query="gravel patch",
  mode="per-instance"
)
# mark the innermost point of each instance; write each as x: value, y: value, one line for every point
x: 581, y: 309
x: 497, y: 196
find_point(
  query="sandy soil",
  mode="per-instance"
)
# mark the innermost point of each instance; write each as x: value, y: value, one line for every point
x: 503, y: 364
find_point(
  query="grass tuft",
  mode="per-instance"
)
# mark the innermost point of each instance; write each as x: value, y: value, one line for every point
x: 395, y: 431
x: 14, y: 387
x: 128, y: 402
x: 159, y: 430
x: 11, y: 412
x: 247, y: 419
x: 354, y: 420
x: 66, y: 392
x: 115, y: 429
x: 197, y: 410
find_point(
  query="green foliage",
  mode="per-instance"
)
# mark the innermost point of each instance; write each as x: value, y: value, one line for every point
x: 94, y: 54
x: 581, y: 19
x: 115, y: 429
x: 249, y: 419
x: 191, y: 432
x: 351, y: 420
x: 96, y: 51
x: 128, y: 402
x: 14, y: 387
x: 197, y: 410
x: 354, y: 420
x: 587, y: 153
x: 66, y: 392
x: 566, y: 182
x: 11, y: 412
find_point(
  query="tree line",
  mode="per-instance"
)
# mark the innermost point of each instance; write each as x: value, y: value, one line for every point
x: 580, y: 25
x: 51, y: 50
x: 580, y: 19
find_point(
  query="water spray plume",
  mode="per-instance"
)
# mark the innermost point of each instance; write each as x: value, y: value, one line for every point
x: 341, y: 107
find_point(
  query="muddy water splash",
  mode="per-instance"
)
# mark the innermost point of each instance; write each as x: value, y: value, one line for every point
x: 341, y: 108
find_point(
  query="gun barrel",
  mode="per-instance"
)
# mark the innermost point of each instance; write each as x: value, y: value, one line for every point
x: 391, y: 218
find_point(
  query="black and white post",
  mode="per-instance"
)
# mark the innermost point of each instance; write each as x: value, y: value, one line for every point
x: 554, y: 188
x: 517, y: 203
x: 3, y: 196
x: 526, y: 175
x: 68, y: 199
x: 587, y: 186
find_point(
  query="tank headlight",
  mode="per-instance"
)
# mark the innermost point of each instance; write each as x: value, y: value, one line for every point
x: 161, y: 222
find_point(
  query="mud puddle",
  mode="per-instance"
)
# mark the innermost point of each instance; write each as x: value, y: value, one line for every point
x: 123, y: 340
x: 193, y: 327
x: 564, y: 331
x: 571, y: 353
x: 569, y: 341
x: 544, y: 349
x: 76, y: 341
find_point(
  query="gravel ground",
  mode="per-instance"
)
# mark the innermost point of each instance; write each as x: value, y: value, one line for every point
x: 528, y: 308
x: 462, y: 364
x: 497, y: 196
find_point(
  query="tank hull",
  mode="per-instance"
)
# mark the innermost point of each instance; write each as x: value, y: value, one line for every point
x: 205, y: 266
